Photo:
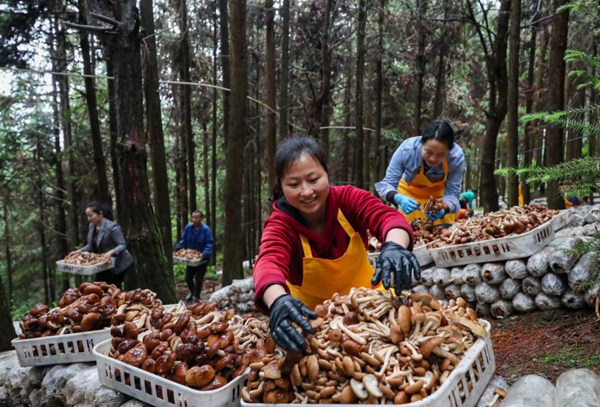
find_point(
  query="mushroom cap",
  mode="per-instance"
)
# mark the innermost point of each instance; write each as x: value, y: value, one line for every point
x: 430, y: 344
x: 272, y: 371
x: 372, y: 385
x: 404, y: 319
x: 358, y: 389
x: 422, y: 298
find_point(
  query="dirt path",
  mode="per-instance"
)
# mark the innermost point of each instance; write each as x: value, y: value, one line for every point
x: 546, y: 343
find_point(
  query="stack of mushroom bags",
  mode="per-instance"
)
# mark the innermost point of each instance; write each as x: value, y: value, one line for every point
x: 369, y: 348
x: 556, y: 276
x: 198, y: 346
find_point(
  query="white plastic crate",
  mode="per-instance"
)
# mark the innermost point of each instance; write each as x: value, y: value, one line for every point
x: 561, y: 219
x: 157, y: 391
x: 187, y: 262
x: 84, y: 270
x: 476, y: 367
x: 59, y: 349
x: 505, y: 248
x: 421, y: 253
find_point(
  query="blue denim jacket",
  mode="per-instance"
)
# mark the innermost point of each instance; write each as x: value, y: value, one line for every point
x: 406, y: 164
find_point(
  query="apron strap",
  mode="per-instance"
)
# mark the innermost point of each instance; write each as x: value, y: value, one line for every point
x: 343, y: 222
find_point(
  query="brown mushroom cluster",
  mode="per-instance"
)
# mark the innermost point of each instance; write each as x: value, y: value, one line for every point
x: 188, y: 254
x: 425, y: 231
x: 369, y: 348
x: 503, y: 223
x: 84, y: 258
x: 197, y: 346
x: 434, y: 205
x: 87, y: 308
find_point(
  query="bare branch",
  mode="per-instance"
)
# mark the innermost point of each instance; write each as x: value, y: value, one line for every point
x: 104, y: 18
x: 94, y: 28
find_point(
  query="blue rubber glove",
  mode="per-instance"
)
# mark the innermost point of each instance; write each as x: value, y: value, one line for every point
x: 433, y: 216
x: 395, y: 268
x: 407, y: 204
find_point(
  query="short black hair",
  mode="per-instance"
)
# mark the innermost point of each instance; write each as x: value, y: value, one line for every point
x: 289, y: 151
x: 439, y: 130
x: 99, y: 207
x: 198, y: 211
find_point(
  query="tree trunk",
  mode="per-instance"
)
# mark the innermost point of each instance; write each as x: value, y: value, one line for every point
x: 345, y: 174
x: 156, y: 138
x: 592, y: 137
x: 576, y: 100
x: 186, y: 108
x: 205, y: 167
x: 138, y: 221
x: 512, y: 119
x: 556, y: 98
x: 497, y: 81
x: 284, y: 72
x: 541, y: 98
x: 420, y: 63
x: 41, y: 217
x: 439, y: 98
x: 65, y: 114
x: 114, y: 136
x: 7, y: 329
x: 225, y: 65
x: 232, y: 248
x: 358, y: 101
x: 377, y: 161
x: 270, y: 81
x: 530, y: 132
x: 324, y: 99
x: 7, y: 253
x: 213, y: 158
x: 102, y: 189
x: 60, y: 219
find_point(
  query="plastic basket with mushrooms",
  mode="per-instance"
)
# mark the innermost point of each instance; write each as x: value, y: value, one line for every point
x: 197, y: 346
x: 369, y: 348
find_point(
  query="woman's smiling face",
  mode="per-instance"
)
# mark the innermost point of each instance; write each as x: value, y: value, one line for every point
x: 305, y: 186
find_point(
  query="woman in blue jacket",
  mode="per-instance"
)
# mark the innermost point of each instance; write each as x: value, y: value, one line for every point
x: 196, y: 236
x: 105, y: 236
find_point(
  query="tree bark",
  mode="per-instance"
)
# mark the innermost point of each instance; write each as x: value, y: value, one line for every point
x: 212, y: 215
x: 270, y: 81
x: 225, y: 64
x: 358, y: 101
x: 41, y: 216
x: 284, y: 72
x: 114, y: 136
x: 102, y: 191
x: 556, y: 98
x: 138, y: 220
x: 324, y: 99
x: 186, y: 106
x: 7, y: 253
x: 592, y: 137
x: 576, y: 100
x: 495, y: 60
x: 377, y: 158
x: 232, y: 248
x: 60, y: 219
x: 156, y: 138
x: 439, y: 98
x: 7, y: 329
x: 65, y: 114
x: 420, y: 63
x: 512, y: 119
x: 529, y: 141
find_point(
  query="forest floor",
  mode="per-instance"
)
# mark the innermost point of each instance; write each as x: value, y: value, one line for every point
x: 546, y: 343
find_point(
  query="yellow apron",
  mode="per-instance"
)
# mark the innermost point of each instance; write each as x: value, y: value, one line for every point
x: 420, y: 189
x: 324, y: 277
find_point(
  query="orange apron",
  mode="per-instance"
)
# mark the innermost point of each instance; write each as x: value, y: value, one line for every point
x: 420, y: 189
x: 324, y: 277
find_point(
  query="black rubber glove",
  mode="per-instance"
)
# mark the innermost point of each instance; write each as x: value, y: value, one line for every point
x: 285, y: 310
x: 398, y: 263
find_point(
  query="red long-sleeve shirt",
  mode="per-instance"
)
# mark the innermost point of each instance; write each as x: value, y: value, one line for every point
x: 280, y: 255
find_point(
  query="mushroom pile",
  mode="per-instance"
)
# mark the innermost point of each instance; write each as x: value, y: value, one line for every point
x: 87, y: 308
x: 84, y: 258
x: 188, y: 254
x: 434, y: 205
x: 425, y: 231
x: 369, y: 348
x: 197, y: 346
x: 495, y: 225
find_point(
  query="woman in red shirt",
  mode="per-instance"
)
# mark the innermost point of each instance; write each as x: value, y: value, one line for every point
x: 314, y: 243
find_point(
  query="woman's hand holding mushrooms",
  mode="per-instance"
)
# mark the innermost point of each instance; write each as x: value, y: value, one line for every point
x: 284, y: 311
x: 398, y: 263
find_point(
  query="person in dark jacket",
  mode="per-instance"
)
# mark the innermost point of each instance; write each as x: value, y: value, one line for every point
x: 105, y: 236
x: 196, y: 236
